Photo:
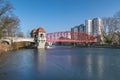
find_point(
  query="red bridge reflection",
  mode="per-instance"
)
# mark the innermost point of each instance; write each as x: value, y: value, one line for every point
x: 69, y: 37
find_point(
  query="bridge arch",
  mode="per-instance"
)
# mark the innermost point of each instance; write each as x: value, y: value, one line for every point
x: 6, y: 41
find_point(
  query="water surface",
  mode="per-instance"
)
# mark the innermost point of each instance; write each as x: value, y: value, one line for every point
x: 61, y: 64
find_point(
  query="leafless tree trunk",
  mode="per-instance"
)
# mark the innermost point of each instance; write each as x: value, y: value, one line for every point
x: 10, y: 24
x: 117, y: 25
x: 109, y: 28
x: 118, y: 37
x: 5, y: 8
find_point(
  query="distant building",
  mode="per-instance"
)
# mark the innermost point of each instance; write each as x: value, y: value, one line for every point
x: 97, y: 26
x: 72, y: 30
x: 79, y: 28
x: 94, y: 26
x: 88, y: 24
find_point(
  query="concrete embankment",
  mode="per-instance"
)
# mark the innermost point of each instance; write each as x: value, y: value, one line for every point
x: 20, y: 45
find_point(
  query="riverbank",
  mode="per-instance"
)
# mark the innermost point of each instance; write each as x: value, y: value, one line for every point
x: 4, y: 48
x: 101, y: 46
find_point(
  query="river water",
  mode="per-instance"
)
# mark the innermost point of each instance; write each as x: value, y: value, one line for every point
x: 61, y: 64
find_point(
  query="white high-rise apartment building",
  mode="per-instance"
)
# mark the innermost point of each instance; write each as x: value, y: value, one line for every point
x: 88, y: 24
x: 94, y: 26
x: 97, y: 26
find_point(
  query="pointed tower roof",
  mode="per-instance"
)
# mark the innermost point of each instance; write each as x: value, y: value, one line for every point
x: 40, y: 29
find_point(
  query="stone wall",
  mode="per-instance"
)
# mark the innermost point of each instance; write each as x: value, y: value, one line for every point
x: 20, y: 45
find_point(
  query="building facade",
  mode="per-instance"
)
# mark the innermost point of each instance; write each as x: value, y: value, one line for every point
x: 97, y: 26
x: 88, y: 24
x: 39, y: 36
x: 76, y: 29
x: 94, y: 26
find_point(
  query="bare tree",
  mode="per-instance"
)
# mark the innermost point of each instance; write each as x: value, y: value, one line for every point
x: 20, y: 34
x: 117, y: 25
x: 4, y: 7
x: 10, y: 24
x: 109, y: 29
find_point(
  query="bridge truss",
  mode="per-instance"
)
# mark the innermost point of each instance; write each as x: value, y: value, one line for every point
x: 68, y: 36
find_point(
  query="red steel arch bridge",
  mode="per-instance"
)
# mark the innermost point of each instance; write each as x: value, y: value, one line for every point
x: 67, y: 36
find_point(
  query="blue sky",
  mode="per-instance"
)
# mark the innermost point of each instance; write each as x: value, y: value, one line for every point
x: 60, y: 15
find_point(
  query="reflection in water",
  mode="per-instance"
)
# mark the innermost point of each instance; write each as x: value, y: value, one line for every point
x: 100, y: 65
x: 69, y: 60
x: 41, y: 59
x: 89, y: 65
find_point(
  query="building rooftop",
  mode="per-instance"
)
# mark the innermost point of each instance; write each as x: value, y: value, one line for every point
x: 40, y: 29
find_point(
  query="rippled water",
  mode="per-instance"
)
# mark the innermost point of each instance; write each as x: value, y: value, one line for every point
x: 61, y: 64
